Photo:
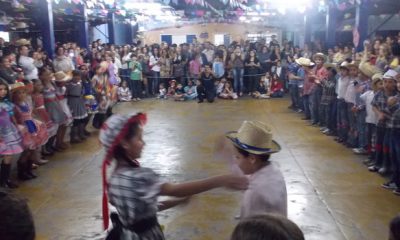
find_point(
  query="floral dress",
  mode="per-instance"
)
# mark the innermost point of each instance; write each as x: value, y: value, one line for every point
x: 42, y: 114
x: 10, y: 139
x: 134, y: 192
x: 34, y: 132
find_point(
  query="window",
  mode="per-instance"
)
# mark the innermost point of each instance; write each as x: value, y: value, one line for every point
x: 5, y: 36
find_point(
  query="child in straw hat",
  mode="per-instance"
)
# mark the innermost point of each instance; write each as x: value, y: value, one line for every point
x: 253, y: 146
x: 371, y: 118
x: 359, y: 109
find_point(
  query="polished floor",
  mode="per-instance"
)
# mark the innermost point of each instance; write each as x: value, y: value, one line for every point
x: 331, y: 195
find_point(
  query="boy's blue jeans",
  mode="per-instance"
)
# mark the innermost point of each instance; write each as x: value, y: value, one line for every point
x: 361, y: 129
x: 306, y: 103
x: 352, y: 137
x: 314, y: 106
x: 294, y: 95
x: 342, y: 119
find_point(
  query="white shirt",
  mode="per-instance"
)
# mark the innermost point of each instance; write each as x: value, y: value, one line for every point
x: 367, y: 97
x: 343, y: 83
x: 64, y: 64
x: 125, y: 60
x: 350, y: 96
x: 266, y: 193
x: 153, y: 62
x: 117, y: 63
x: 29, y: 68
x: 209, y: 54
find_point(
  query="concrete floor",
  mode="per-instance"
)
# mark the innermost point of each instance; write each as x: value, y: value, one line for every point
x: 331, y: 194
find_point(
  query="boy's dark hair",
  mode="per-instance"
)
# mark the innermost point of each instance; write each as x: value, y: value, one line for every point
x: 394, y: 228
x: 262, y: 157
x: 76, y: 73
x: 263, y: 227
x: 16, y: 222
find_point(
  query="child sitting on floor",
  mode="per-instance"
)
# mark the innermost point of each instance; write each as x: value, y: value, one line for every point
x: 179, y: 93
x: 162, y: 91
x: 261, y: 90
x: 190, y: 91
x: 276, y: 88
x: 227, y: 92
x: 172, y: 88
x: 124, y: 93
x: 220, y: 86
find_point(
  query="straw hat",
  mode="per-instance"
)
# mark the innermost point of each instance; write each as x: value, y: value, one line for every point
x: 354, y: 64
x: 330, y: 65
x: 344, y: 65
x: 368, y: 69
x: 17, y: 86
x: 319, y: 55
x: 376, y: 78
x: 305, y: 62
x: 390, y: 74
x: 60, y: 76
x: 22, y: 42
x: 254, y: 137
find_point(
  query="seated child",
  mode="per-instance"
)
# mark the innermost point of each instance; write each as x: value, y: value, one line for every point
x: 124, y: 93
x: 220, y: 86
x: 261, y: 90
x: 201, y: 91
x: 276, y: 88
x: 253, y: 146
x: 179, y: 93
x: 171, y: 88
x: 227, y: 92
x: 190, y: 91
x: 162, y: 91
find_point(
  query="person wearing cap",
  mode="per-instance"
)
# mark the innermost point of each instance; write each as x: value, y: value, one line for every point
x: 367, y: 70
x: 342, y: 117
x: 371, y: 118
x: 253, y: 147
x: 393, y: 125
x: 380, y: 106
x: 306, y: 65
x: 133, y: 190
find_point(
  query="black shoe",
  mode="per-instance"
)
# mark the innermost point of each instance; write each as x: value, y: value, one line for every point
x: 200, y: 101
x: 389, y: 185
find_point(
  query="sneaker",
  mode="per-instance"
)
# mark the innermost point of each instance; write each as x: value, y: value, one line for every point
x: 299, y: 111
x: 373, y: 168
x: 389, y: 185
x: 326, y: 131
x: 322, y: 129
x: 382, y: 170
x: 360, y: 151
x: 41, y: 162
x: 397, y: 191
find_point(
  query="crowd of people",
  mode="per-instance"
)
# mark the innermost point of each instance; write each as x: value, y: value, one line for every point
x: 351, y: 96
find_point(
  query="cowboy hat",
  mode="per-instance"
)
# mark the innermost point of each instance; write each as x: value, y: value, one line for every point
x: 305, y: 62
x: 22, y: 42
x: 254, y: 137
x: 60, y: 76
x: 376, y: 78
x: 330, y: 65
x: 368, y: 69
x: 319, y: 55
x: 390, y: 74
x: 353, y: 64
x: 17, y: 86
x: 344, y: 65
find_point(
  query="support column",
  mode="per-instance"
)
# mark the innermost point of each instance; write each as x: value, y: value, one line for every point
x: 111, y: 28
x: 45, y: 22
x: 361, y: 26
x: 83, y: 28
x: 307, y: 28
x: 331, y: 22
